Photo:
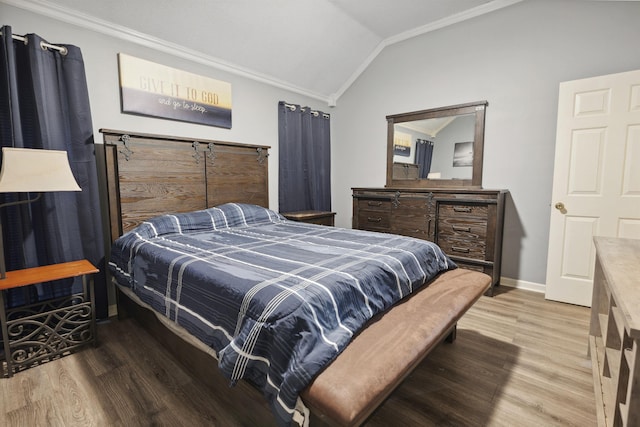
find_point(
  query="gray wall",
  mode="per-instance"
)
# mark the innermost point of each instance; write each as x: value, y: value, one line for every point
x: 515, y: 59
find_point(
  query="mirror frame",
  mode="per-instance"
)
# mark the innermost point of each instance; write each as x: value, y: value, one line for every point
x: 478, y: 108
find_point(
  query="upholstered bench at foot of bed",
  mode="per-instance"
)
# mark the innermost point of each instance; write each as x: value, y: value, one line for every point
x: 383, y: 354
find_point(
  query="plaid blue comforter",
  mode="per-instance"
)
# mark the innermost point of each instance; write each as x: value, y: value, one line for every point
x: 276, y: 299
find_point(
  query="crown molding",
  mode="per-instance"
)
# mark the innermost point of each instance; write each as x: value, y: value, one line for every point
x: 92, y: 23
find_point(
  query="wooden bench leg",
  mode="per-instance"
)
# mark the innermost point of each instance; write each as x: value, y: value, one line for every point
x: 452, y: 334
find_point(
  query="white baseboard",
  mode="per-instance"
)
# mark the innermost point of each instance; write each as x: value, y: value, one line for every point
x: 522, y: 284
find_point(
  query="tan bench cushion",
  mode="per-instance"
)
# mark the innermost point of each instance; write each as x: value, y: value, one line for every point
x: 391, y: 346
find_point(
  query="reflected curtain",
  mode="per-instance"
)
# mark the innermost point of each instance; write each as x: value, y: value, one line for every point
x: 424, y: 154
x: 304, y: 147
x: 45, y: 104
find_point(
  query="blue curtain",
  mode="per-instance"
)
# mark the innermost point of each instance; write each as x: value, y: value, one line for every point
x: 304, y: 147
x: 424, y: 154
x: 45, y: 104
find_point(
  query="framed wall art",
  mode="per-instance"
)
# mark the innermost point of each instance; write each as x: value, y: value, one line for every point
x: 155, y: 90
x: 402, y: 144
x: 463, y: 154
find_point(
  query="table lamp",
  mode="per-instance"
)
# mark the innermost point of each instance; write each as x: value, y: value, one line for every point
x: 30, y: 170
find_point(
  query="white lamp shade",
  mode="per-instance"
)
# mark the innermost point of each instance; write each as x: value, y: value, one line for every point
x: 35, y: 170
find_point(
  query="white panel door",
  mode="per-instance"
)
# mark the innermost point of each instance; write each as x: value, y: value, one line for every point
x: 596, y: 182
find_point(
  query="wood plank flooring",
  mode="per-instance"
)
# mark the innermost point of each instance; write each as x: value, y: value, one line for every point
x: 518, y: 361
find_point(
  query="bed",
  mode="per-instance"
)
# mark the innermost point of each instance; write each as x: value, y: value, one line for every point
x: 289, y: 307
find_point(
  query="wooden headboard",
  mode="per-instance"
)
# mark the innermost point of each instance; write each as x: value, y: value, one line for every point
x: 149, y: 175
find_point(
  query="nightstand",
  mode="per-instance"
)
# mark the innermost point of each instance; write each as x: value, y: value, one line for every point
x: 311, y: 217
x: 37, y: 333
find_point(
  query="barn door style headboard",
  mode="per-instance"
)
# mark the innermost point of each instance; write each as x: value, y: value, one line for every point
x: 149, y: 175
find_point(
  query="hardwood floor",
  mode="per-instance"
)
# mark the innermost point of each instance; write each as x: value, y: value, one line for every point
x: 518, y: 361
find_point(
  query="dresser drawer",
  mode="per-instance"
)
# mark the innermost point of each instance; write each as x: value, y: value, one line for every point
x: 467, y: 248
x: 374, y: 220
x: 374, y: 204
x: 460, y: 210
x: 472, y: 229
x: 475, y: 267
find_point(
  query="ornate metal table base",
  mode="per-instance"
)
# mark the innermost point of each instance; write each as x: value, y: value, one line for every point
x: 38, y: 333
x: 43, y: 332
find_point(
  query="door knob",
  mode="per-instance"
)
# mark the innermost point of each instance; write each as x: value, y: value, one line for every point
x: 560, y: 207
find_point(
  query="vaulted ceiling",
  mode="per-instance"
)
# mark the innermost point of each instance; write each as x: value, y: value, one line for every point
x: 314, y: 47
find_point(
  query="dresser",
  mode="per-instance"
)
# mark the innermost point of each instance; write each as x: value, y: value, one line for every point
x: 466, y: 223
x: 614, y: 334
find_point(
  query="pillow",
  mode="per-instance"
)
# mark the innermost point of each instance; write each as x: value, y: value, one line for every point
x: 242, y: 214
x: 216, y: 218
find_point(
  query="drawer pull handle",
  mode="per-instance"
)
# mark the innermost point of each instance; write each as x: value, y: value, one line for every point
x: 461, y: 209
x: 458, y: 228
x: 461, y: 250
x: 371, y: 219
x: 374, y: 203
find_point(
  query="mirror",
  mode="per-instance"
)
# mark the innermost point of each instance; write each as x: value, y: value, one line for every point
x: 440, y: 147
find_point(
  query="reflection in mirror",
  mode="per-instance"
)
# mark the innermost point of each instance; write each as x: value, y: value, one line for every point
x: 440, y: 148
x: 437, y: 147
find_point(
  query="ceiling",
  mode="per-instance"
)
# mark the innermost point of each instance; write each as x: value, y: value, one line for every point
x: 313, y: 47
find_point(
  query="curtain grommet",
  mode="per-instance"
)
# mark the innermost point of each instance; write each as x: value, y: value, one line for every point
x: 45, y: 46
